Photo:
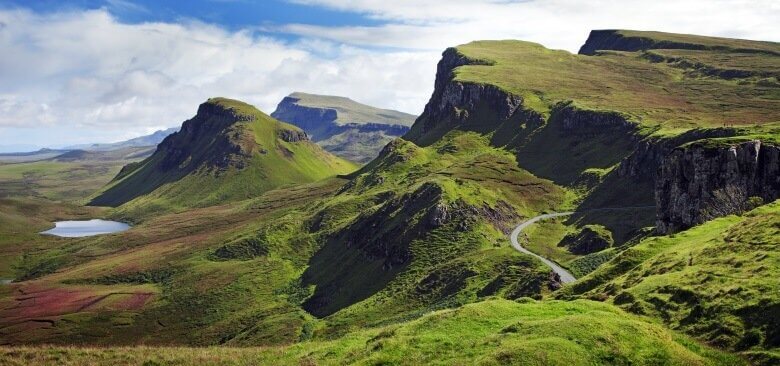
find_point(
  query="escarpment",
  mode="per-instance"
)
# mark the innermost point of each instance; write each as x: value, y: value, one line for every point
x: 455, y: 104
x: 566, y: 140
x: 697, y: 182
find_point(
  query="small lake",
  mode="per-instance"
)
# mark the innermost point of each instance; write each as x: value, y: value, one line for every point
x: 77, y: 229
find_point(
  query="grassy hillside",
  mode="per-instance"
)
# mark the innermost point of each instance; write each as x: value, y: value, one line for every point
x: 243, y: 240
x: 493, y: 332
x: 717, y: 281
x: 419, y: 229
x: 229, y: 151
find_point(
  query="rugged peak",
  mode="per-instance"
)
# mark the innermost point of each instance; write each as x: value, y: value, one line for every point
x: 233, y: 145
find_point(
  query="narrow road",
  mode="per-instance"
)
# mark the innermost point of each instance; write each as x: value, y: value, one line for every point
x: 566, y: 277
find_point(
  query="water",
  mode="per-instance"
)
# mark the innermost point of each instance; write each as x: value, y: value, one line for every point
x: 77, y: 229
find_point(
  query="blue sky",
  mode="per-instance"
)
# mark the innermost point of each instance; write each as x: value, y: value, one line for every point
x: 83, y: 71
x: 231, y: 14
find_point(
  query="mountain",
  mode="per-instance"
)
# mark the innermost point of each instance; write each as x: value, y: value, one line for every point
x: 342, y: 126
x: 21, y: 157
x: 667, y: 158
x: 148, y: 140
x: 228, y: 151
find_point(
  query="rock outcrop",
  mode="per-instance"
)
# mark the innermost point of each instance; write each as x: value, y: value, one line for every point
x: 589, y: 239
x: 453, y: 102
x: 698, y: 182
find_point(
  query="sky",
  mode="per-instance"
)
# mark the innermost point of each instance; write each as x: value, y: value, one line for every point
x: 84, y: 71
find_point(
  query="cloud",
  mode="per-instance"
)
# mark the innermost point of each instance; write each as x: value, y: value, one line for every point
x: 562, y: 24
x: 90, y: 77
x: 87, y: 71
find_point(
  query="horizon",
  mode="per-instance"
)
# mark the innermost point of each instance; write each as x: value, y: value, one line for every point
x: 147, y: 64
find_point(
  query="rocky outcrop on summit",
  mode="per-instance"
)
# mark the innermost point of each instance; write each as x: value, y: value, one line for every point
x: 698, y: 182
x: 212, y: 123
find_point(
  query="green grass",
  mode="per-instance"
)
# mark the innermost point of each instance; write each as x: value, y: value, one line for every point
x: 242, y: 273
x: 493, y: 332
x: 55, y: 180
x: 215, y: 172
x: 655, y: 95
x: 715, y: 281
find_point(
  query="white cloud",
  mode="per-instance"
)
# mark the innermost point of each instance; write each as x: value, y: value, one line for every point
x: 561, y: 24
x: 87, y: 71
x: 89, y: 77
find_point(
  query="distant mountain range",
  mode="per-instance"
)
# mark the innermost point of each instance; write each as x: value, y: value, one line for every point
x: 343, y: 126
x: 148, y: 140
x: 133, y: 148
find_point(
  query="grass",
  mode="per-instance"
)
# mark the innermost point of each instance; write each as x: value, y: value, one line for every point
x: 55, y: 180
x: 715, y: 281
x: 655, y: 95
x: 237, y: 159
x: 488, y: 333
x: 242, y: 273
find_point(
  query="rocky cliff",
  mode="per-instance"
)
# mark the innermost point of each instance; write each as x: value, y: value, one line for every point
x: 569, y: 140
x: 456, y: 104
x: 700, y: 181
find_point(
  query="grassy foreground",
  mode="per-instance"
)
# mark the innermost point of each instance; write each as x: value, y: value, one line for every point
x: 493, y: 332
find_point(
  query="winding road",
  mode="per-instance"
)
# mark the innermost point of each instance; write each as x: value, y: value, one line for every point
x: 566, y: 277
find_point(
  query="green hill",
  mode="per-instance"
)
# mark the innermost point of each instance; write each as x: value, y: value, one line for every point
x: 407, y: 260
x: 228, y: 151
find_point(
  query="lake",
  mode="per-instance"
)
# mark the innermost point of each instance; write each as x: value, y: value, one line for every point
x: 77, y: 229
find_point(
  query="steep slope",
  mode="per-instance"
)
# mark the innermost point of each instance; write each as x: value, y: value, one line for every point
x: 342, y: 126
x: 603, y: 125
x: 228, y: 151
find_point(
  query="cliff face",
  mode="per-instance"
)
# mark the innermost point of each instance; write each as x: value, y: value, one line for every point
x: 685, y: 189
x: 211, y: 128
x: 316, y: 121
x: 609, y: 39
x: 454, y: 103
x: 696, y: 182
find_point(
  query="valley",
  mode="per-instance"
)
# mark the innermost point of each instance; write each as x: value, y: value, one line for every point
x: 617, y: 206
